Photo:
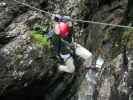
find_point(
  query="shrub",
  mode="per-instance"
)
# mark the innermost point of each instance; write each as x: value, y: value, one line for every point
x: 40, y: 39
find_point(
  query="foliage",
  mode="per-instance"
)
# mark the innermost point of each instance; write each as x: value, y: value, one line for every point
x: 127, y: 38
x: 39, y: 34
x: 40, y: 28
x: 40, y: 39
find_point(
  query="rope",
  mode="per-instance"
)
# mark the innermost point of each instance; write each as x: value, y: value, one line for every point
x: 27, y: 5
x: 106, y: 24
x: 77, y: 20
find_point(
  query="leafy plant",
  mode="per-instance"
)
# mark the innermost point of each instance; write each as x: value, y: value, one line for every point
x: 40, y: 39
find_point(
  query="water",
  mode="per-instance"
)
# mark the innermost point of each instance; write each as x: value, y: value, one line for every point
x: 88, y: 86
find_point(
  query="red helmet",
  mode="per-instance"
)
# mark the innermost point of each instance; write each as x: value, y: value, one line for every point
x: 62, y: 29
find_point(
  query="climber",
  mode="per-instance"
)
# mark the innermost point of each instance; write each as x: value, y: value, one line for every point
x: 62, y: 33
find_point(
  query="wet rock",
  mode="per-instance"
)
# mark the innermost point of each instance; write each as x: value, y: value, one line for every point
x: 117, y: 82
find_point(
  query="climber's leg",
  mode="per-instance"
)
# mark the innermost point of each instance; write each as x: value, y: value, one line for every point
x: 84, y: 53
x: 68, y: 66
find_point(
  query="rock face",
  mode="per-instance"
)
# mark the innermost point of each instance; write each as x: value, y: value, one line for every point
x: 29, y: 72
x: 111, y: 85
x: 116, y: 82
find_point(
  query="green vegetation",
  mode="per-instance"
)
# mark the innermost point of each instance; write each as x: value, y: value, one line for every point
x: 127, y: 38
x: 39, y: 38
x: 124, y: 38
x: 40, y: 28
x: 38, y: 35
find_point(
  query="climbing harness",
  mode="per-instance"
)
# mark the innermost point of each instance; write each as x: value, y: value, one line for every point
x: 62, y: 29
x: 76, y: 20
x: 65, y: 57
